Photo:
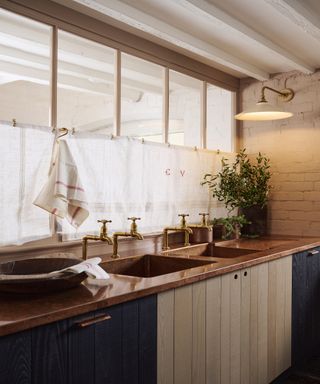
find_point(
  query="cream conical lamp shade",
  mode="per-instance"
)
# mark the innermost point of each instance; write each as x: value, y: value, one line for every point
x: 263, y: 111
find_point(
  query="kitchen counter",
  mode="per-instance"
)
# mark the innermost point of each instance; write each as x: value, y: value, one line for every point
x: 20, y: 313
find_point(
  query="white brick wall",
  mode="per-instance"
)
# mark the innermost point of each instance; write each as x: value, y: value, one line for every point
x: 293, y: 146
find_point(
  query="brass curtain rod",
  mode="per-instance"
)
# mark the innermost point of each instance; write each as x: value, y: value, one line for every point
x: 64, y: 131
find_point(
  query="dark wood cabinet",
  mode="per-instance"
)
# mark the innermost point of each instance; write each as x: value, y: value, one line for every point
x: 109, y: 346
x: 305, y: 306
x: 15, y: 359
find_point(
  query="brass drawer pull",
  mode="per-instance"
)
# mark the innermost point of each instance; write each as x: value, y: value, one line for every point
x: 95, y: 320
x: 313, y: 252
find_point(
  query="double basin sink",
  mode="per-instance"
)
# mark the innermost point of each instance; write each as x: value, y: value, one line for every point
x: 173, y: 261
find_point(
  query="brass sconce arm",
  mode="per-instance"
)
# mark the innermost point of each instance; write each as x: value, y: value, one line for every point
x: 285, y: 94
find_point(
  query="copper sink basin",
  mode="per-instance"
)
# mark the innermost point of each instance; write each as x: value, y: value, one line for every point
x: 210, y: 250
x: 151, y: 265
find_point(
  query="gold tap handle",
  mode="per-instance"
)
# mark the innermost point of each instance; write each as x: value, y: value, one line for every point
x: 104, y: 230
x: 134, y: 218
x: 204, y: 220
x: 183, y: 219
x: 134, y: 226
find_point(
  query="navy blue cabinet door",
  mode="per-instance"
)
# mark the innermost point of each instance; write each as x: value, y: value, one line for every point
x: 116, y: 345
x: 125, y: 345
x: 305, y: 306
x: 81, y: 354
x: 15, y: 359
x: 49, y: 348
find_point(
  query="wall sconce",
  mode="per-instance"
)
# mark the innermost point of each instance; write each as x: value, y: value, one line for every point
x: 265, y: 111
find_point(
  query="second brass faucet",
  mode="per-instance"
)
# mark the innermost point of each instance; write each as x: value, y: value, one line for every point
x: 133, y: 233
x: 183, y: 228
x: 204, y: 222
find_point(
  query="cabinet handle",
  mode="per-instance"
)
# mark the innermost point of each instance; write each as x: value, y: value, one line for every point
x: 246, y: 273
x: 94, y: 320
x: 313, y: 252
x: 236, y: 276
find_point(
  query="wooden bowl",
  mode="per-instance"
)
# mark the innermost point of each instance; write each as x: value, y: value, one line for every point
x: 33, y: 275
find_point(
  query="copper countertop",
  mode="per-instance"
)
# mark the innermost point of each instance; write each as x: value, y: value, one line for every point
x: 20, y: 313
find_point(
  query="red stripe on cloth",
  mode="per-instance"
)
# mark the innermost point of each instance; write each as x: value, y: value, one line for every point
x: 70, y: 186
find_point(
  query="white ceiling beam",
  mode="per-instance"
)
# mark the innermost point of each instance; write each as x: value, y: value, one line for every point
x: 298, y: 14
x: 151, y: 25
x: 219, y: 17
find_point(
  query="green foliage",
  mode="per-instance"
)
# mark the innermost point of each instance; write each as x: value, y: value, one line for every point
x: 241, y: 184
x: 231, y: 224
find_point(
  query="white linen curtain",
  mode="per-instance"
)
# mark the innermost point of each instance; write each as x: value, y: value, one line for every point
x: 124, y: 177
x: 25, y: 158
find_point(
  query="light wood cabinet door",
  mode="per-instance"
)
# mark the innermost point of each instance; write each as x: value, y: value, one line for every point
x: 230, y: 329
x: 279, y: 316
x: 182, y: 335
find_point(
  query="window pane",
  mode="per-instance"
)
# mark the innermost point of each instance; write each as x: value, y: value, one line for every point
x: 25, y: 159
x: 85, y: 84
x: 219, y: 118
x: 184, y: 109
x: 141, y: 98
x: 24, y: 69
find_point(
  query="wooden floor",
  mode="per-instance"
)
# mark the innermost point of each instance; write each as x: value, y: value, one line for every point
x: 295, y: 379
x: 308, y: 374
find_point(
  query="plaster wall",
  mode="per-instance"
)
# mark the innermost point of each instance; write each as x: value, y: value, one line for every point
x: 293, y: 146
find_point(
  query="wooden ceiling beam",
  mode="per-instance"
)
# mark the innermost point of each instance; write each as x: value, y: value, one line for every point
x: 219, y: 17
x: 299, y: 15
x: 129, y: 15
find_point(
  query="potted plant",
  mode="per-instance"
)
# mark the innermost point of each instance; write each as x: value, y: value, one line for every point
x: 245, y: 185
x: 231, y: 226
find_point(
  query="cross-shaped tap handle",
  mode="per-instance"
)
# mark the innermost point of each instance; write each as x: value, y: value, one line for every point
x: 104, y: 222
x: 183, y: 220
x: 134, y: 219
x: 134, y: 227
x: 204, y: 219
x: 103, y: 230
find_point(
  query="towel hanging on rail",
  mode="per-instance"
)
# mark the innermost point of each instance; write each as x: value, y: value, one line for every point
x: 63, y: 194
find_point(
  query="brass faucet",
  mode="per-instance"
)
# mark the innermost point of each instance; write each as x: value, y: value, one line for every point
x: 102, y: 237
x: 203, y: 224
x: 183, y: 228
x: 133, y: 233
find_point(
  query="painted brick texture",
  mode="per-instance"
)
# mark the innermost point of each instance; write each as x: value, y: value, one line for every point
x: 293, y: 146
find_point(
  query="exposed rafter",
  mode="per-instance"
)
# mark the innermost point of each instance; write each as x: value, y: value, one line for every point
x: 298, y: 14
x: 149, y: 24
x: 217, y: 16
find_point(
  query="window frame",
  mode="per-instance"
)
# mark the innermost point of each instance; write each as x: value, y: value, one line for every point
x: 74, y: 23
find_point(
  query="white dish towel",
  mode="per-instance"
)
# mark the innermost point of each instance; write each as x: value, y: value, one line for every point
x: 63, y: 194
x: 90, y: 267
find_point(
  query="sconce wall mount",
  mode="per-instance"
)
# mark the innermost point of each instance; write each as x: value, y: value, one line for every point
x: 265, y: 111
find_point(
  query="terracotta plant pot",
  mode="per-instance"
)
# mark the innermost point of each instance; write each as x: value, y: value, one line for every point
x: 258, y: 217
x: 200, y: 235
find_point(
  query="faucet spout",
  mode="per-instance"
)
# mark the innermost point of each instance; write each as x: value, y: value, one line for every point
x: 137, y: 235
x: 108, y: 239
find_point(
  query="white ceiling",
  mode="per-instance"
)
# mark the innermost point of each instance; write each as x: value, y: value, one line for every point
x: 242, y: 37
